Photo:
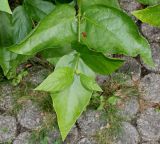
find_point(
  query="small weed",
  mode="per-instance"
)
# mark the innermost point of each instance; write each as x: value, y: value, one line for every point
x: 42, y: 137
x: 4, y: 129
x: 9, y: 142
x: 39, y: 137
x: 97, y: 101
x: 19, y: 77
x: 115, y: 90
x: 113, y: 127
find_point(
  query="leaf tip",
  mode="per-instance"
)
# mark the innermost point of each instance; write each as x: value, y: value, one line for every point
x: 37, y: 88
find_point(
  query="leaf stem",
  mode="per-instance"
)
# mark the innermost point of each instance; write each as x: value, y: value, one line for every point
x: 79, y: 20
x: 77, y: 61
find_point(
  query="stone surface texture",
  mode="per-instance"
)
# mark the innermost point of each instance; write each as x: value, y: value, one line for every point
x: 150, y: 88
x: 30, y: 116
x: 36, y: 75
x: 131, y: 67
x: 151, y: 33
x: 91, y: 122
x: 155, y: 47
x: 129, y: 5
x: 129, y: 134
x: 8, y: 127
x: 23, y: 138
x: 130, y: 108
x: 149, y: 125
x: 7, y: 96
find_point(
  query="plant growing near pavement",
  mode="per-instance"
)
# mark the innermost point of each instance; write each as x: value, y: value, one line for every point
x: 150, y: 15
x: 82, y: 35
x: 149, y: 2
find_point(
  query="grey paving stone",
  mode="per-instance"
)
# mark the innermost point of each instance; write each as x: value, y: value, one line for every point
x: 8, y: 127
x: 148, y: 125
x: 129, y: 135
x: 150, y: 88
x: 30, y: 116
x: 23, y: 138
x: 151, y: 33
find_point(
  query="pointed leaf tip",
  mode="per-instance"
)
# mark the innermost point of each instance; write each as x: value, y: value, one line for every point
x: 69, y: 104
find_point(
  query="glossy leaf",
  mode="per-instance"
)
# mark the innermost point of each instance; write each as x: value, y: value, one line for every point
x: 55, y: 30
x: 111, y: 31
x: 149, y: 2
x: 74, y: 61
x: 63, y: 1
x: 38, y: 9
x: 97, y: 61
x: 52, y: 55
x: 22, y: 24
x: 69, y: 104
x: 111, y: 3
x: 89, y: 83
x: 6, y: 38
x: 150, y: 15
x: 5, y: 60
x: 4, y: 6
x: 57, y: 52
x: 8, y: 60
x: 57, y: 81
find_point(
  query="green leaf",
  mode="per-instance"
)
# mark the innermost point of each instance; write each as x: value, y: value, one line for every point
x: 63, y: 1
x: 14, y: 63
x: 38, y: 9
x: 111, y: 31
x: 113, y: 100
x: 8, y: 60
x: 53, y: 54
x: 111, y: 3
x: 57, y: 81
x: 4, y: 6
x: 149, y: 2
x: 89, y: 83
x: 69, y: 104
x: 55, y: 30
x: 71, y: 101
x: 5, y: 58
x: 22, y: 24
x: 57, y: 52
x: 6, y: 38
x: 74, y: 61
x: 97, y: 61
x: 150, y: 15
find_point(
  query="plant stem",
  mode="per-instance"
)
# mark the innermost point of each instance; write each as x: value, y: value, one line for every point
x: 79, y: 20
x: 78, y: 56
